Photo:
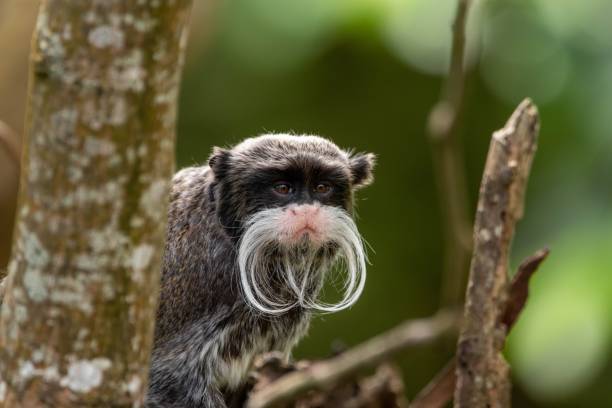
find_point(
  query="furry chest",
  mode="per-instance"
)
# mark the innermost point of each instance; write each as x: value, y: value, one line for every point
x: 232, y: 368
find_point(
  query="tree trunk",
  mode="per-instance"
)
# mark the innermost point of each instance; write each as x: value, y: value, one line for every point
x: 79, y: 312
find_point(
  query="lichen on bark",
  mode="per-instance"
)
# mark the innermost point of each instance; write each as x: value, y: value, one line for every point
x: 78, y: 315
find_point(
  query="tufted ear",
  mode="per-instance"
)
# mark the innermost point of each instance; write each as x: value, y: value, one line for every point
x: 219, y: 161
x: 362, y: 167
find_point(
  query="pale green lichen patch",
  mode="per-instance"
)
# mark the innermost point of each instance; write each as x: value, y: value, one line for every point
x: 84, y: 195
x: 119, y: 112
x: 50, y: 44
x: 106, y: 36
x: 28, y: 370
x: 2, y: 391
x: 75, y: 296
x: 21, y: 314
x: 134, y: 386
x: 144, y: 24
x: 38, y: 356
x: 34, y: 251
x: 12, y: 267
x: 154, y: 194
x: 99, y: 147
x: 37, y: 258
x: 140, y: 261
x: 63, y: 122
x: 112, y: 111
x: 484, y: 234
x: 128, y: 72
x: 35, y: 285
x: 85, y: 375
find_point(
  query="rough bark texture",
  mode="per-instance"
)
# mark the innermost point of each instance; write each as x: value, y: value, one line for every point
x: 482, y: 373
x: 78, y: 315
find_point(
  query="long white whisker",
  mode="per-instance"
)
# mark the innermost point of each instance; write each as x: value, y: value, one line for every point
x: 290, y: 276
x: 297, y: 267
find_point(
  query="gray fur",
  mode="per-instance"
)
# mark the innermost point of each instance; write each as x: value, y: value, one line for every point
x: 207, y: 334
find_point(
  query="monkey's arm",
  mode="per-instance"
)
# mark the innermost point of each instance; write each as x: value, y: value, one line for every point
x: 183, y: 371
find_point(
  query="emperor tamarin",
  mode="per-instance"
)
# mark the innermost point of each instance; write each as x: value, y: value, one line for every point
x: 251, y: 239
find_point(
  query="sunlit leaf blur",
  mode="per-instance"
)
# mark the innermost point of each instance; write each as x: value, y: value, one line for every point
x: 365, y: 73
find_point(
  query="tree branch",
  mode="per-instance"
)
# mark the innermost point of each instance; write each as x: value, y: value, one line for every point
x: 10, y: 143
x: 322, y: 375
x: 500, y: 206
x: 10, y: 152
x: 449, y: 168
x: 440, y: 389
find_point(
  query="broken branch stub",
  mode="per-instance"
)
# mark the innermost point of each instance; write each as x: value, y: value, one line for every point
x: 439, y: 391
x: 482, y: 373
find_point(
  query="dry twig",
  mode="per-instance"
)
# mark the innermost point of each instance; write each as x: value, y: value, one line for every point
x: 449, y: 168
x: 439, y: 391
x: 482, y: 373
x: 324, y: 374
x: 383, y: 389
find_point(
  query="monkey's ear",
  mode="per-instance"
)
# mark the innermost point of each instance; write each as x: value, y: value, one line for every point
x: 219, y: 161
x: 362, y: 169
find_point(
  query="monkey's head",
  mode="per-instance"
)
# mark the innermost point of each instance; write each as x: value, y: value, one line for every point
x: 287, y: 202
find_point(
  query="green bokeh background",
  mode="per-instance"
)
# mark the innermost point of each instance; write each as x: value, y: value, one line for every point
x: 365, y: 74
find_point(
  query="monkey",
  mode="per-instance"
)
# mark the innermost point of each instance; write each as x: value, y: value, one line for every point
x: 251, y: 238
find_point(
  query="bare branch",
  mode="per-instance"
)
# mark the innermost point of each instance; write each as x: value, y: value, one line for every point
x: 449, y: 167
x: 10, y: 143
x: 384, y: 389
x: 500, y: 206
x: 324, y: 374
x: 519, y: 291
x: 440, y: 389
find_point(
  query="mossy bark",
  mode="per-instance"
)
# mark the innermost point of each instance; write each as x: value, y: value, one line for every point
x: 79, y: 311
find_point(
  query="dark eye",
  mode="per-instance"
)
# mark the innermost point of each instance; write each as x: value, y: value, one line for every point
x: 283, y: 188
x: 323, y: 188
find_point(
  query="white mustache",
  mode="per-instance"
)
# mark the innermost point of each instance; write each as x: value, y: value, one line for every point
x: 303, y: 274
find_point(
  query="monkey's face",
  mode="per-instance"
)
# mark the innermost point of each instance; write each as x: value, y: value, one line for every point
x: 287, y: 202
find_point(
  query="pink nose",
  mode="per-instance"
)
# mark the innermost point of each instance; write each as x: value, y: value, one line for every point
x: 304, y: 210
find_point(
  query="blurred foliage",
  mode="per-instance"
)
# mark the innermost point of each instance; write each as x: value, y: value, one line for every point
x: 365, y: 73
